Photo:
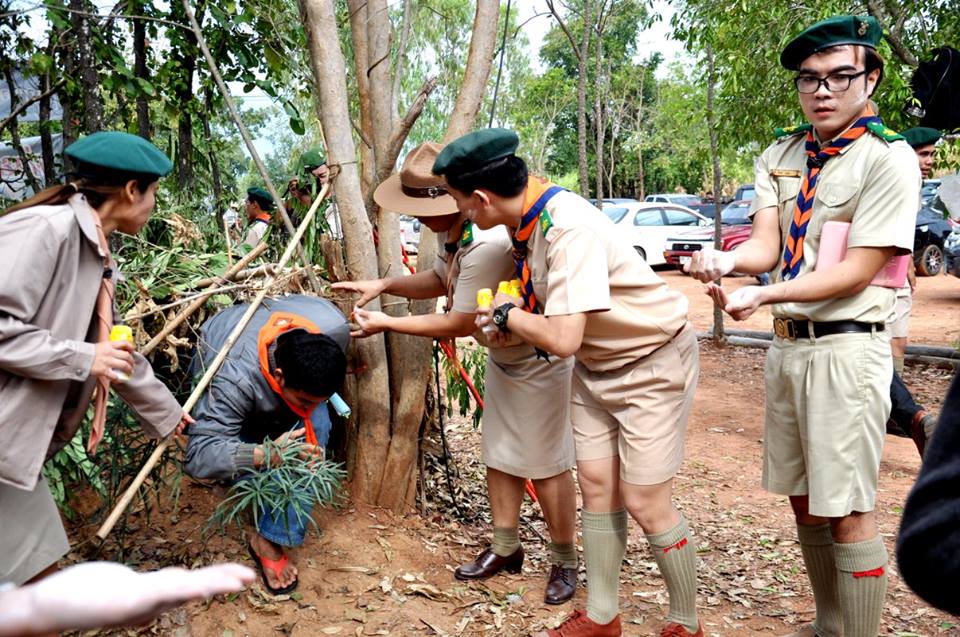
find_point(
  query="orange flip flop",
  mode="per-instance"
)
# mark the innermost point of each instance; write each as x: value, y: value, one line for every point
x: 276, y: 566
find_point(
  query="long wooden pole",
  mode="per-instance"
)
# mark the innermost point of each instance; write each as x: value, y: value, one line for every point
x: 175, y: 322
x: 154, y: 458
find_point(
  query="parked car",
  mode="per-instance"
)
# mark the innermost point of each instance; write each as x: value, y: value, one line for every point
x: 612, y: 201
x: 929, y: 190
x: 745, y: 192
x: 681, y: 199
x: 649, y: 224
x: 736, y: 229
x: 707, y: 209
x: 928, y: 241
x: 951, y: 254
x: 410, y: 233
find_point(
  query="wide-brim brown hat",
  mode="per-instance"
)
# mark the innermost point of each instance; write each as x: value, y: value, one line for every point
x: 415, y: 190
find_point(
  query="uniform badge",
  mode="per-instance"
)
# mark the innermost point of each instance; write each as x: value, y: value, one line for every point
x: 862, y: 30
x: 785, y: 172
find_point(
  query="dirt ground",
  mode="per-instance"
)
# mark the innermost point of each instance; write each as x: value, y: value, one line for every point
x: 373, y: 573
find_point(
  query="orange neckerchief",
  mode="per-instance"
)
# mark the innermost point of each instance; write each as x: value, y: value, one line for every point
x: 277, y: 324
x: 263, y: 216
x: 538, y: 192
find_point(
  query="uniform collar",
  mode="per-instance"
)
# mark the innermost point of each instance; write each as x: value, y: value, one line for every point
x: 84, y: 212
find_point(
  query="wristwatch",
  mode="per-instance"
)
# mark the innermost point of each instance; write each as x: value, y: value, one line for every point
x: 500, y: 316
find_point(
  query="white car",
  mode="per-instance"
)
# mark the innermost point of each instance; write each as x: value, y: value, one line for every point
x: 650, y: 224
x: 410, y: 233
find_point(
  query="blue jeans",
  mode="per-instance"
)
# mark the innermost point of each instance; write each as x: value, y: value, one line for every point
x: 292, y: 530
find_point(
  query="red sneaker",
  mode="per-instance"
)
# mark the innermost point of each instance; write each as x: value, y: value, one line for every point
x: 579, y: 625
x: 678, y: 630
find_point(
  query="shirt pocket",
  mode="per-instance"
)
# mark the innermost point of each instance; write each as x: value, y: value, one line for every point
x: 834, y: 201
x: 787, y: 190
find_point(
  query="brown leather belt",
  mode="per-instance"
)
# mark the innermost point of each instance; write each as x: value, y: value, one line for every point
x: 792, y: 329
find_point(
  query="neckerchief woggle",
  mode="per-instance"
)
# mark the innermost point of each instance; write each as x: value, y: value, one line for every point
x: 803, y: 211
x: 277, y: 324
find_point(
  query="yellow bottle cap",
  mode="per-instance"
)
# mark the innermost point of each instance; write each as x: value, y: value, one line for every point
x: 484, y: 298
x: 504, y: 288
x: 121, y: 333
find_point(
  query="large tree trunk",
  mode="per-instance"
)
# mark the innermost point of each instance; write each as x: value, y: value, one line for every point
x: 186, y: 58
x: 582, y: 101
x: 358, y: 34
x: 89, y: 79
x: 598, y: 118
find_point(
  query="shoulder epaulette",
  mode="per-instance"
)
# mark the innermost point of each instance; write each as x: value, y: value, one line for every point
x: 792, y: 130
x: 883, y: 132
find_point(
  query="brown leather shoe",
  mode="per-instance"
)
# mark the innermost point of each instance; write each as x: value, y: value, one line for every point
x: 677, y: 630
x: 489, y: 564
x: 579, y: 625
x: 561, y: 585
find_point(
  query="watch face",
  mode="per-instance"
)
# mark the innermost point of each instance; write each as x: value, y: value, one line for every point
x: 498, y: 317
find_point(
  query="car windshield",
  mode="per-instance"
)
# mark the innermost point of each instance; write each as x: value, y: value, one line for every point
x: 685, y: 200
x: 615, y: 213
x: 736, y: 214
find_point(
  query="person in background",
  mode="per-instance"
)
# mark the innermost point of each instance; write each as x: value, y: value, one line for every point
x: 258, y: 209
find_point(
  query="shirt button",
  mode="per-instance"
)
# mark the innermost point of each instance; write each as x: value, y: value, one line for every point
x: 78, y: 372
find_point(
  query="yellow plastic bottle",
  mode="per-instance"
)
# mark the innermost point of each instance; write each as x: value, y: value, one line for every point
x: 484, y: 303
x: 121, y: 333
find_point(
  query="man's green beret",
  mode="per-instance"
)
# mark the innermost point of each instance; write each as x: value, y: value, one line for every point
x: 262, y: 197
x: 921, y: 136
x: 311, y: 159
x: 863, y: 30
x: 475, y: 150
x: 112, y: 154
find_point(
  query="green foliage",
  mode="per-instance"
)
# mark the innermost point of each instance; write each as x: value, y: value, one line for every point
x: 474, y: 362
x: 290, y: 484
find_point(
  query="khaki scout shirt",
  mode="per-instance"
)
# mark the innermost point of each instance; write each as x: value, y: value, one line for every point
x: 51, y: 268
x: 483, y: 264
x: 255, y: 233
x: 873, y: 184
x: 584, y: 263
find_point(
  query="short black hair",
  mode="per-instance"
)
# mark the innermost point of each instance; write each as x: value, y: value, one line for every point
x: 312, y: 363
x: 506, y: 177
x: 871, y: 61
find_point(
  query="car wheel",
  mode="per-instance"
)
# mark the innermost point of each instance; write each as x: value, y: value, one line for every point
x: 930, y: 261
x: 641, y: 252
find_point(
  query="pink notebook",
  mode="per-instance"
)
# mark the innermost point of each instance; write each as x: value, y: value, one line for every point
x: 833, y: 247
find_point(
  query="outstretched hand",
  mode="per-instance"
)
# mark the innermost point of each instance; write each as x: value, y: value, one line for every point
x: 368, y: 290
x: 739, y: 304
x: 106, y: 594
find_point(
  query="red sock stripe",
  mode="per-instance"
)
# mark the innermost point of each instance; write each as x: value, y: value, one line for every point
x: 877, y: 572
x: 679, y: 545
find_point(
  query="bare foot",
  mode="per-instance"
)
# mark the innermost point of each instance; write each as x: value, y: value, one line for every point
x: 265, y: 548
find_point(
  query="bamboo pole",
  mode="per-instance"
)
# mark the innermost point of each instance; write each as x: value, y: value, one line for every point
x: 245, y: 134
x: 154, y: 458
x: 175, y: 322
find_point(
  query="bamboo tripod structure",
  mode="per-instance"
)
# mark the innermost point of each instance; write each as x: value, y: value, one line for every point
x: 154, y: 458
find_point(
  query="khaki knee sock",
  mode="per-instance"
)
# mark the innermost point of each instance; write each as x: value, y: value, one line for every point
x: 604, y: 545
x: 816, y: 544
x: 506, y: 541
x: 898, y: 365
x: 563, y: 554
x: 676, y: 555
x: 862, y: 577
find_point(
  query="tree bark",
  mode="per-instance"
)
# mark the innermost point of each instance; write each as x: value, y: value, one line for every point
x: 715, y: 158
x: 89, y: 78
x: 358, y: 34
x: 582, y: 101
x: 640, y: 188
x: 46, y: 139
x: 186, y: 58
x: 892, y: 31
x: 212, y: 155
x: 598, y: 118
x: 140, y: 70
x: 406, y: 27
x: 28, y: 176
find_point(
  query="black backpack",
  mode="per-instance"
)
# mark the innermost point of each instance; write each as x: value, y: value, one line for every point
x: 936, y: 86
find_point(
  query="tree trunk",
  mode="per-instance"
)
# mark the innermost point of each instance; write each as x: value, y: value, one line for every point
x: 212, y: 155
x: 89, y: 79
x: 186, y: 57
x: 140, y: 70
x: 641, y: 188
x: 598, y: 118
x: 582, y: 101
x: 28, y: 177
x: 358, y: 33
x: 715, y: 158
x: 46, y: 139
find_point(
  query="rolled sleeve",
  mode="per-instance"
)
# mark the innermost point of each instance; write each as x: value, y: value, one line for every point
x: 214, y: 449
x: 482, y: 267
x: 887, y: 211
x: 578, y: 278
x: 764, y: 185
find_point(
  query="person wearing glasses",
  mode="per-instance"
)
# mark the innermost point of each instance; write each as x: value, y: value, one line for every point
x: 829, y: 368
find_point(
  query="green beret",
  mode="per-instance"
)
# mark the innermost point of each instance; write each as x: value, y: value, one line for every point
x: 311, y: 159
x: 114, y: 154
x: 862, y: 30
x: 475, y: 150
x: 922, y: 136
x: 262, y: 197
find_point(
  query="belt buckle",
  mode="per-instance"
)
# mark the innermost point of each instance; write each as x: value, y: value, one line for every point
x: 785, y: 328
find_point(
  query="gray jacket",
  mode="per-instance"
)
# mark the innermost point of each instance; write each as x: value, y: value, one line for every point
x: 239, y: 409
x: 50, y: 269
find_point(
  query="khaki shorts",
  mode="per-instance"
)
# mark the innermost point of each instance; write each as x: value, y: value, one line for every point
x: 638, y: 412
x: 827, y: 405
x: 31, y: 533
x: 899, y: 327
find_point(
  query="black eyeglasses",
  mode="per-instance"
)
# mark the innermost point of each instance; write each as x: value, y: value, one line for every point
x: 835, y: 83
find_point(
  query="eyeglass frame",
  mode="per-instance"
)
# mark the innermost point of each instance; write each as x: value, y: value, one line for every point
x: 823, y: 81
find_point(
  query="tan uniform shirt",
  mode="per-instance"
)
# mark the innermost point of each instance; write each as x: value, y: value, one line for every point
x: 873, y: 184
x: 255, y: 232
x: 51, y: 264
x: 585, y: 264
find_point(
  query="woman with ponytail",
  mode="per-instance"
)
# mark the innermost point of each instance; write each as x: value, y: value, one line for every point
x: 56, y: 312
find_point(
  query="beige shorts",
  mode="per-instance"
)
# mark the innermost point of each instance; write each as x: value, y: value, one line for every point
x: 526, y: 418
x: 31, y: 533
x: 638, y: 412
x: 827, y: 405
x: 899, y: 327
